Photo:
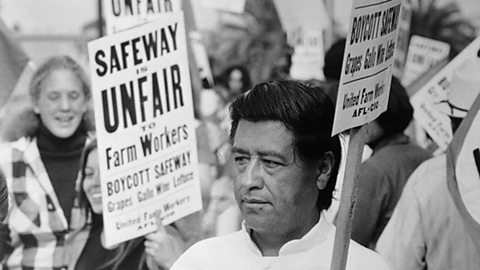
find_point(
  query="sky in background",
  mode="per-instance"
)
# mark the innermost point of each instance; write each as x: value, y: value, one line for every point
x: 48, y: 16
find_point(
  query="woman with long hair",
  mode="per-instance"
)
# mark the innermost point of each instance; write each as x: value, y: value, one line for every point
x: 45, y: 228
x: 157, y: 250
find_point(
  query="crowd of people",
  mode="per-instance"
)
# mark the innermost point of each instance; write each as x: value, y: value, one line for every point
x: 268, y: 168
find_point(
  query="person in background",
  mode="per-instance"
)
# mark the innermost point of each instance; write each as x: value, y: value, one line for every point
x: 237, y: 81
x: 383, y: 175
x: 3, y: 197
x: 45, y: 228
x: 157, y: 250
x: 426, y: 230
x: 285, y: 161
x: 332, y: 68
x: 222, y: 215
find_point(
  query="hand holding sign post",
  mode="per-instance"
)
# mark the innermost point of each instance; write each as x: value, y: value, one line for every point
x: 362, y: 96
x: 163, y: 248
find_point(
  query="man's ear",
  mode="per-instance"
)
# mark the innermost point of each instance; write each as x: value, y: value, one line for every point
x: 325, y: 167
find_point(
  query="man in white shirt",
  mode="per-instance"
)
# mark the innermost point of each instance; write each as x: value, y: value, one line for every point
x: 286, y: 164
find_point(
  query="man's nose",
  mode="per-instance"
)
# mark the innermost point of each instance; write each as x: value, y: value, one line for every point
x: 252, y: 176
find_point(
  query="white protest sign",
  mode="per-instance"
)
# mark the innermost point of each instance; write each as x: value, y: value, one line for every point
x: 235, y: 6
x: 145, y: 127
x: 302, y: 13
x: 403, y: 38
x: 423, y: 54
x: 367, y: 63
x: 436, y: 123
x: 305, y: 22
x: 308, y: 56
x: 123, y: 14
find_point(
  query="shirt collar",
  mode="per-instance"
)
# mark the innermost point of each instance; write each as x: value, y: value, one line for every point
x: 318, y: 234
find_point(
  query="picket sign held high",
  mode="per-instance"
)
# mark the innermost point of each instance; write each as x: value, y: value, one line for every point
x: 363, y: 94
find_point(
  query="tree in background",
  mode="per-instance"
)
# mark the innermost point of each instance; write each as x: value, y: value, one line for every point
x: 254, y: 39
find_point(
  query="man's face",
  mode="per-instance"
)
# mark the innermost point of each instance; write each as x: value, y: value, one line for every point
x: 275, y: 190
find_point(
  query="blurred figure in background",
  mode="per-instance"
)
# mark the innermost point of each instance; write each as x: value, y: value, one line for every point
x: 237, y: 81
x: 45, y: 228
x: 222, y: 215
x: 427, y: 231
x: 3, y: 198
x: 383, y: 175
x: 333, y: 68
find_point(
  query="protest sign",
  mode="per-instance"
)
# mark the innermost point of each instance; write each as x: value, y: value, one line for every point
x: 367, y: 63
x: 122, y: 14
x: 306, y: 23
x: 145, y: 127
x: 308, y: 55
x: 423, y: 54
x: 403, y: 39
x: 294, y: 14
x: 463, y: 171
x: 425, y: 101
x: 362, y: 96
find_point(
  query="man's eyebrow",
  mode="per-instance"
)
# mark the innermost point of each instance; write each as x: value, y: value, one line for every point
x: 260, y: 153
x: 239, y: 150
x: 271, y: 154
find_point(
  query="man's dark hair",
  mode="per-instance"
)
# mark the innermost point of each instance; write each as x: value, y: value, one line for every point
x: 304, y: 110
x: 399, y: 113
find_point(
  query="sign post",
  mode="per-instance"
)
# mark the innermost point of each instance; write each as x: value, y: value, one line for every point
x: 362, y: 96
x: 145, y: 127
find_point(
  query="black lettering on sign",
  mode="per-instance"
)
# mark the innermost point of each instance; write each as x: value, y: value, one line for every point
x: 139, y: 7
x: 137, y: 50
x: 133, y: 98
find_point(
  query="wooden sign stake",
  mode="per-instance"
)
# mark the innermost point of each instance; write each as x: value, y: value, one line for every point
x: 347, y: 203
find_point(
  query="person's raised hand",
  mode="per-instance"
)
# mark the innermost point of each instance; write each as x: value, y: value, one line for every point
x: 163, y: 246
